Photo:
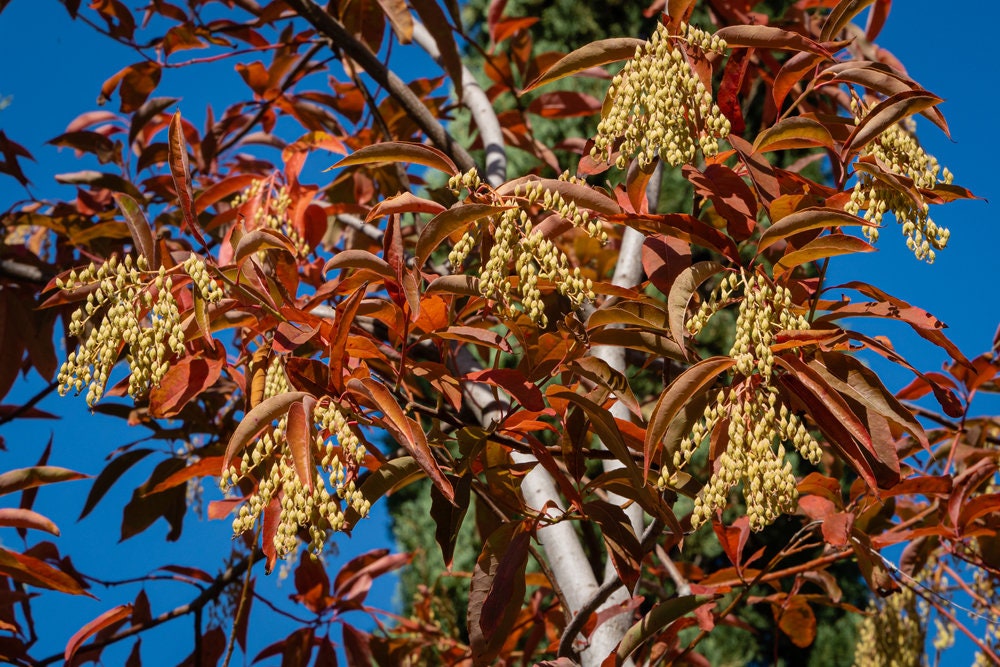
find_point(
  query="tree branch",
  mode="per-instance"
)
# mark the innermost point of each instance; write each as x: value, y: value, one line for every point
x: 230, y: 575
x: 475, y: 100
x: 330, y: 27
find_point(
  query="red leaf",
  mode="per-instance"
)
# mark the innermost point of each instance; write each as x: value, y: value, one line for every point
x: 729, y: 90
x: 406, y: 431
x: 497, y: 591
x: 181, y: 175
x: 564, y: 104
x: 108, y: 618
x: 185, y: 380
x: 515, y: 383
x: 36, y: 572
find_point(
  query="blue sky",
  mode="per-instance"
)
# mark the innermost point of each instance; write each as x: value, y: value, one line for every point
x: 54, y: 68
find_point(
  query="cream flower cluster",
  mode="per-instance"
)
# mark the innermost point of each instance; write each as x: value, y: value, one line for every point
x: 272, y: 211
x: 756, y: 423
x: 659, y: 107
x: 898, y: 152
x: 535, y: 257
x: 127, y: 306
x: 269, y: 460
x: 891, y: 634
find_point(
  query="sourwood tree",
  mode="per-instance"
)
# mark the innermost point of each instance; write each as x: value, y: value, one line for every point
x: 541, y: 344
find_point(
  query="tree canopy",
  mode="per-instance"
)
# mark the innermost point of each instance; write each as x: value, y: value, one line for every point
x: 574, y: 305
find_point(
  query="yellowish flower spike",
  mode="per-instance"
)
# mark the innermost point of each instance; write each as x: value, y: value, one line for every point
x: 534, y: 257
x: 269, y: 460
x: 891, y: 635
x: 659, y: 106
x: 897, y: 151
x: 131, y: 306
x: 757, y: 423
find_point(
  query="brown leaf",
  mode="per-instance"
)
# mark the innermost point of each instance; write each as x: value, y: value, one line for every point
x: 399, y: 151
x: 181, y: 175
x: 497, y: 590
x: 672, y: 400
x: 256, y: 421
x: 601, y: 52
x: 797, y: 620
x: 885, y: 114
x: 406, y: 431
x: 825, y: 246
x: 446, y: 223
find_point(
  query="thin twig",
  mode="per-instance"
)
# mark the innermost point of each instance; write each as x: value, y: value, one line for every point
x: 233, y: 573
x: 361, y: 54
x: 21, y: 409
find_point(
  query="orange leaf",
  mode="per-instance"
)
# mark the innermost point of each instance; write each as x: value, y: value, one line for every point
x: 300, y: 437
x: 36, y: 572
x: 26, y: 478
x: 405, y: 202
x: 804, y: 220
x: 794, y: 132
x: 821, y: 248
x: 25, y: 518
